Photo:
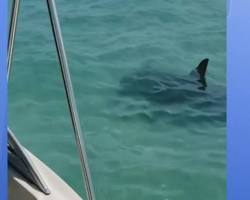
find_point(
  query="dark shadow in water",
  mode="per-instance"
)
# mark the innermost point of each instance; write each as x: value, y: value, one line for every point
x: 166, y: 92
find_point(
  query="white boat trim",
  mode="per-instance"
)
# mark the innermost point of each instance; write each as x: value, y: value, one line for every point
x: 22, y: 189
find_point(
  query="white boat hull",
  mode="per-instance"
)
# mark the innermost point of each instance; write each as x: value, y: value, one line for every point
x: 22, y: 189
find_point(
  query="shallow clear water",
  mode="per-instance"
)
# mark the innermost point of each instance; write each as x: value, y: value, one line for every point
x: 137, y: 148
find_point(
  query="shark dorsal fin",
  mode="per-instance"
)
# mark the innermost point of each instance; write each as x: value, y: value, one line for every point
x: 200, y: 73
x: 202, y: 68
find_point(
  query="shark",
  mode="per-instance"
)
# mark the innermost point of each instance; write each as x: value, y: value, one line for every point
x: 167, y: 90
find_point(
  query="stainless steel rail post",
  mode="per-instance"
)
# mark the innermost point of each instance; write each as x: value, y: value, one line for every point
x: 12, y: 33
x: 70, y: 98
x: 18, y: 147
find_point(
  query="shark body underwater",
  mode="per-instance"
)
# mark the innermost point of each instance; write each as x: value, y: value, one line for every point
x: 167, y: 90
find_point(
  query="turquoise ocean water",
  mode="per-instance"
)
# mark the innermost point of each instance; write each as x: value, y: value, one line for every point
x: 137, y: 149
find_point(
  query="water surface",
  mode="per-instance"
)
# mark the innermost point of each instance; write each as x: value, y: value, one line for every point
x: 137, y: 149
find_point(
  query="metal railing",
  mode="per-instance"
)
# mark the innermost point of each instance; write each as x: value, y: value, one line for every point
x: 67, y: 85
x: 12, y: 34
x: 70, y: 98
